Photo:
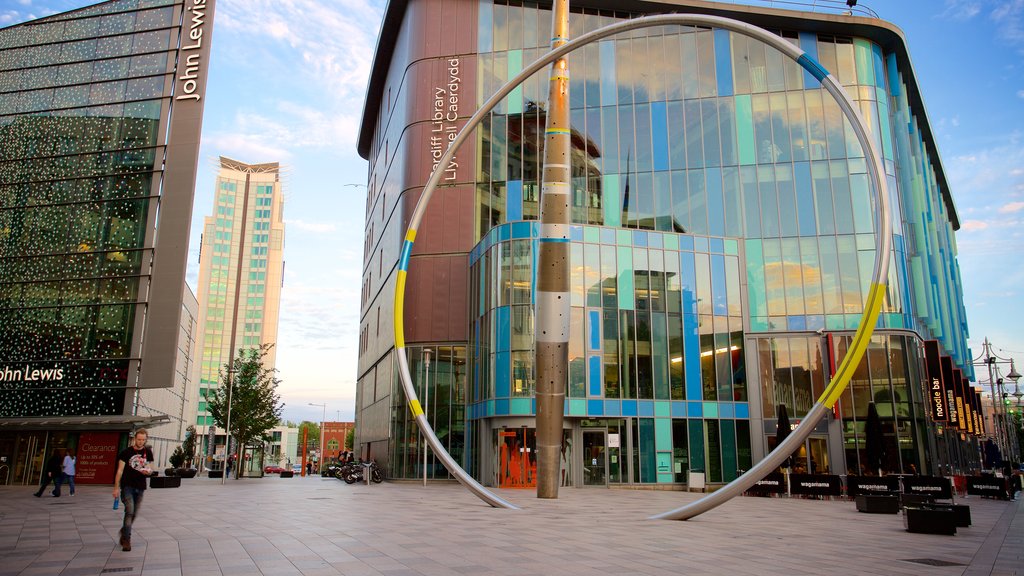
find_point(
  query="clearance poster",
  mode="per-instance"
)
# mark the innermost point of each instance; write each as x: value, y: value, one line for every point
x: 97, y: 457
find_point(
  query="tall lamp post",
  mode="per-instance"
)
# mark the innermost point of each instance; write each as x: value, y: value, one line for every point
x: 227, y: 431
x: 320, y: 462
x: 999, y: 408
x: 426, y: 406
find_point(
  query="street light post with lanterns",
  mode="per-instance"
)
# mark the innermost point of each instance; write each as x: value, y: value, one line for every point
x: 1007, y: 443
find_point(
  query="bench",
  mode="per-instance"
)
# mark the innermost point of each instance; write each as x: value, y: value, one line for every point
x: 165, y: 482
x: 878, y: 503
x: 929, y: 520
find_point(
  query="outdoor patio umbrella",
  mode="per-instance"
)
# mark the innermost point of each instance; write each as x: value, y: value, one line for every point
x: 874, y: 446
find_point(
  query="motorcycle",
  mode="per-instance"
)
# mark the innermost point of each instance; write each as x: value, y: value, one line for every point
x: 357, y: 473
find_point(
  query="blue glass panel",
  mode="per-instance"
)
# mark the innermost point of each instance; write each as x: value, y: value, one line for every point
x: 595, y: 376
x: 691, y: 350
x: 521, y: 230
x: 717, y: 245
x: 719, y: 298
x: 486, y: 26
x: 504, y: 233
x: 607, y: 236
x: 645, y: 408
x: 816, y: 322
x: 876, y: 53
x: 639, y: 238
x: 629, y: 408
x: 686, y: 243
x: 501, y: 407
x: 809, y: 44
x: 695, y: 409
x: 503, y: 328
x: 595, y: 408
x: 576, y: 233
x: 502, y: 387
x: 655, y: 240
x: 804, y: 198
x: 895, y: 87
x: 679, y: 409
x: 700, y: 244
x: 612, y: 408
x: 609, y: 88
x: 659, y: 135
x: 742, y: 410
x: 595, y: 329
x: 514, y: 200
x: 796, y: 323
x: 726, y: 410
x: 723, y: 62
x: 688, y: 282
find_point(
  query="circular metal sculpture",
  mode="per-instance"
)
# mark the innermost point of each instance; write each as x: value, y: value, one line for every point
x: 872, y: 306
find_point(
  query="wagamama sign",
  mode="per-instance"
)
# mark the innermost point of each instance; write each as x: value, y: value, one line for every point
x: 443, y: 126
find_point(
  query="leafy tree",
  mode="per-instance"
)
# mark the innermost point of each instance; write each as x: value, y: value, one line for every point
x: 188, y: 447
x: 350, y: 439
x: 255, y: 405
x: 312, y: 432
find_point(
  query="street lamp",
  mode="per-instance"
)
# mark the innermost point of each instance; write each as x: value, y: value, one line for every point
x: 426, y: 404
x: 999, y: 408
x: 322, y: 420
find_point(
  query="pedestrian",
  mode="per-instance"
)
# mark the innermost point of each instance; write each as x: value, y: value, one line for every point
x: 309, y: 468
x: 130, y: 481
x: 67, y: 470
x: 231, y: 461
x: 50, y: 474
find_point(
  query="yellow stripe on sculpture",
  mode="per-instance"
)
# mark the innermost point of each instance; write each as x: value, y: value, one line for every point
x: 400, y: 309
x: 872, y: 308
x: 416, y: 409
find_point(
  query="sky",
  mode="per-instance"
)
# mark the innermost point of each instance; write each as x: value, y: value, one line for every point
x: 287, y: 83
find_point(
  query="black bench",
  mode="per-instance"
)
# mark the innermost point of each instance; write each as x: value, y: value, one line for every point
x: 165, y: 482
x: 961, y: 512
x: 915, y: 499
x: 215, y: 473
x: 878, y: 503
x: 287, y: 474
x: 929, y: 520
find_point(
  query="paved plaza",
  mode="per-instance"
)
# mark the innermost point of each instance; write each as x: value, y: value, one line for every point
x: 320, y: 526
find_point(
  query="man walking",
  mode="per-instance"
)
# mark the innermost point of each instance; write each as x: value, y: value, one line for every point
x: 51, y: 474
x: 68, y: 472
x: 130, y: 481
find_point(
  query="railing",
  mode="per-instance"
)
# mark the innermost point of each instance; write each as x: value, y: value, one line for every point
x: 824, y: 6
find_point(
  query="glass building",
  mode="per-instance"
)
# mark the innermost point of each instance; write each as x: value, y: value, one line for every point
x: 722, y: 245
x: 89, y: 153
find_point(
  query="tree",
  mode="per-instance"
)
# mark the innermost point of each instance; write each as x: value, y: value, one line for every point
x: 188, y: 447
x: 350, y: 439
x: 312, y: 434
x: 255, y: 405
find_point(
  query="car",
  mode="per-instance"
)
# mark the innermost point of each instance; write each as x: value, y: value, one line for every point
x: 272, y: 469
x: 297, y: 468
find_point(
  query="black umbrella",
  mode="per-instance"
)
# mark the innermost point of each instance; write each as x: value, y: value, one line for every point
x: 782, y: 430
x: 874, y: 446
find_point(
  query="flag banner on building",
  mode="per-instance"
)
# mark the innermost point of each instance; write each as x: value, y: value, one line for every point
x: 980, y: 416
x: 961, y: 402
x: 938, y: 404
x: 948, y: 388
x: 965, y: 387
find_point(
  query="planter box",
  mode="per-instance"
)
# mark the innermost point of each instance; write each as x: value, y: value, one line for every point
x: 915, y: 500
x: 186, y: 472
x: 287, y: 474
x: 929, y: 521
x: 961, y: 513
x: 164, y: 482
x: 215, y: 473
x: 878, y: 504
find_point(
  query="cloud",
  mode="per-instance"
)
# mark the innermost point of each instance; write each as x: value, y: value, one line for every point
x: 960, y: 9
x: 973, y: 225
x: 1011, y: 207
x: 314, y: 227
x: 1009, y: 18
x: 247, y: 147
x: 322, y: 51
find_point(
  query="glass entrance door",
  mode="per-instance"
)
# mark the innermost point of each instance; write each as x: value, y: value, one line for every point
x: 595, y: 458
x: 29, y: 458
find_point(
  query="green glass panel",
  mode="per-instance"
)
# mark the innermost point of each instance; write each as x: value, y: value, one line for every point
x: 662, y: 410
x: 696, y: 441
x: 610, y: 198
x: 755, y: 279
x: 728, y: 450
x: 865, y: 72
x: 711, y: 409
x: 745, y: 129
x: 625, y: 269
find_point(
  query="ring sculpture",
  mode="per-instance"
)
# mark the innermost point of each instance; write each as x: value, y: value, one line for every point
x: 872, y: 306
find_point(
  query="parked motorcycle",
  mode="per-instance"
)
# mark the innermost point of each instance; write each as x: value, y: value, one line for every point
x: 357, y: 473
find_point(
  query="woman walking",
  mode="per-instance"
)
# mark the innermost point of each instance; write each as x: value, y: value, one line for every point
x: 67, y: 471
